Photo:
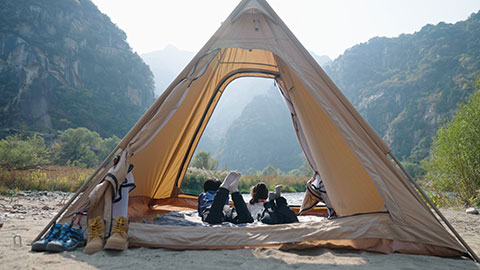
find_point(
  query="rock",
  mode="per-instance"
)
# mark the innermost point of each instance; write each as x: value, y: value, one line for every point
x: 45, y: 207
x: 18, y: 206
x: 472, y: 211
x: 1, y: 222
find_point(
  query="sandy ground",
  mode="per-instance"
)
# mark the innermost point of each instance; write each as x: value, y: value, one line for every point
x: 27, y: 215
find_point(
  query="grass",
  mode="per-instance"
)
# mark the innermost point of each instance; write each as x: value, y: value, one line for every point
x: 50, y: 178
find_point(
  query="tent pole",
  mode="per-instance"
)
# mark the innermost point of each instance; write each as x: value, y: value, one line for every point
x: 472, y: 254
x: 76, y: 194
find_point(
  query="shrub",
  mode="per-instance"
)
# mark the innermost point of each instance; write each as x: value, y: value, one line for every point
x: 454, y: 163
x: 77, y: 148
x: 19, y: 153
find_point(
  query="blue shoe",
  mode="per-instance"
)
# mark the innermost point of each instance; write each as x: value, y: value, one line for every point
x: 69, y: 240
x: 53, y: 234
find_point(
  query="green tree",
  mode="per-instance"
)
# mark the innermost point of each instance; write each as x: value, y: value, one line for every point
x: 203, y: 160
x: 454, y: 164
x: 304, y: 170
x: 78, y: 147
x: 270, y: 170
x: 106, y: 146
x: 19, y: 153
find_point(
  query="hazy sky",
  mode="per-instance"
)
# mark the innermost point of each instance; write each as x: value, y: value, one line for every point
x: 327, y: 27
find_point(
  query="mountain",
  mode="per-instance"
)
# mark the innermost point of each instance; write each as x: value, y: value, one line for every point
x: 65, y: 64
x: 235, y: 98
x: 322, y: 60
x: 262, y: 135
x: 166, y: 64
x: 406, y: 86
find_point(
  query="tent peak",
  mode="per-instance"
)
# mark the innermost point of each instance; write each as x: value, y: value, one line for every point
x: 252, y: 6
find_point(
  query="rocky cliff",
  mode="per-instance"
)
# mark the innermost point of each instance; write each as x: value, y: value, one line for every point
x: 406, y: 86
x: 65, y: 64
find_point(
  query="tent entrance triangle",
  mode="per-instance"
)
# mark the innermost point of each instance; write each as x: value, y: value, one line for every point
x: 249, y: 117
x: 340, y: 145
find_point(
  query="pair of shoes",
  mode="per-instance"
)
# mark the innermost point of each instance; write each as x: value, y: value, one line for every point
x: 69, y: 239
x: 53, y: 234
x: 118, y: 240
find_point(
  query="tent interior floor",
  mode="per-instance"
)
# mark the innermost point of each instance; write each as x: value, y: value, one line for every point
x: 146, y: 209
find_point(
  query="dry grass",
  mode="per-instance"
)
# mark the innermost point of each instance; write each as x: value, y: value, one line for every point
x: 49, y: 178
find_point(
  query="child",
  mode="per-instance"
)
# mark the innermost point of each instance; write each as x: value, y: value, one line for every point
x: 205, y: 199
x: 259, y: 194
x: 273, y: 211
x: 219, y: 212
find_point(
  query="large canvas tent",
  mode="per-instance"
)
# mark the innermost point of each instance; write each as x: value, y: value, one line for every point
x: 378, y: 208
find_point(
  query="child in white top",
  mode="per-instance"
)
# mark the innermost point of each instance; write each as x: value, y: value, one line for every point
x: 259, y: 194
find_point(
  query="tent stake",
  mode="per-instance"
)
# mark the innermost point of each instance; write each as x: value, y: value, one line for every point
x: 472, y: 254
x: 76, y: 194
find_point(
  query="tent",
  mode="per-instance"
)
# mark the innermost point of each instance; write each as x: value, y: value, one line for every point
x: 378, y: 209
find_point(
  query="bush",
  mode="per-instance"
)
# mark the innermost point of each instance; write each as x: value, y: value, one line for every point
x: 83, y: 148
x: 454, y: 163
x: 77, y: 148
x: 19, y: 153
x: 194, y: 179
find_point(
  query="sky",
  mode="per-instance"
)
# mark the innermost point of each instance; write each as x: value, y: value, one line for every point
x: 326, y: 27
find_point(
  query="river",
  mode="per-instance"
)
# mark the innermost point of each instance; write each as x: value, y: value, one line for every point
x: 294, y: 198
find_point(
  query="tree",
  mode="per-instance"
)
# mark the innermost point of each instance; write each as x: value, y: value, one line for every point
x: 202, y: 160
x: 19, y: 153
x: 78, y: 146
x: 270, y: 170
x: 454, y: 164
x: 106, y: 146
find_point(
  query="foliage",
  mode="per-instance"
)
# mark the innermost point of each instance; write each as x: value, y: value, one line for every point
x: 194, y: 178
x: 454, y: 163
x: 203, y: 160
x: 83, y: 148
x: 290, y: 183
x: 303, y: 171
x: 19, y: 153
x: 49, y: 178
x: 106, y: 146
x: 77, y: 148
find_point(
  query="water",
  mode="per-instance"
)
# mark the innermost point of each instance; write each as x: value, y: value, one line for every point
x: 294, y: 198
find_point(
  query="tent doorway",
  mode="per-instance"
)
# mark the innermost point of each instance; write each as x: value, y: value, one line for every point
x: 251, y: 131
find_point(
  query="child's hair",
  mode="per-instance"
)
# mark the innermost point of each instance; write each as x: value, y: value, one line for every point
x: 211, y: 184
x: 258, y: 192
